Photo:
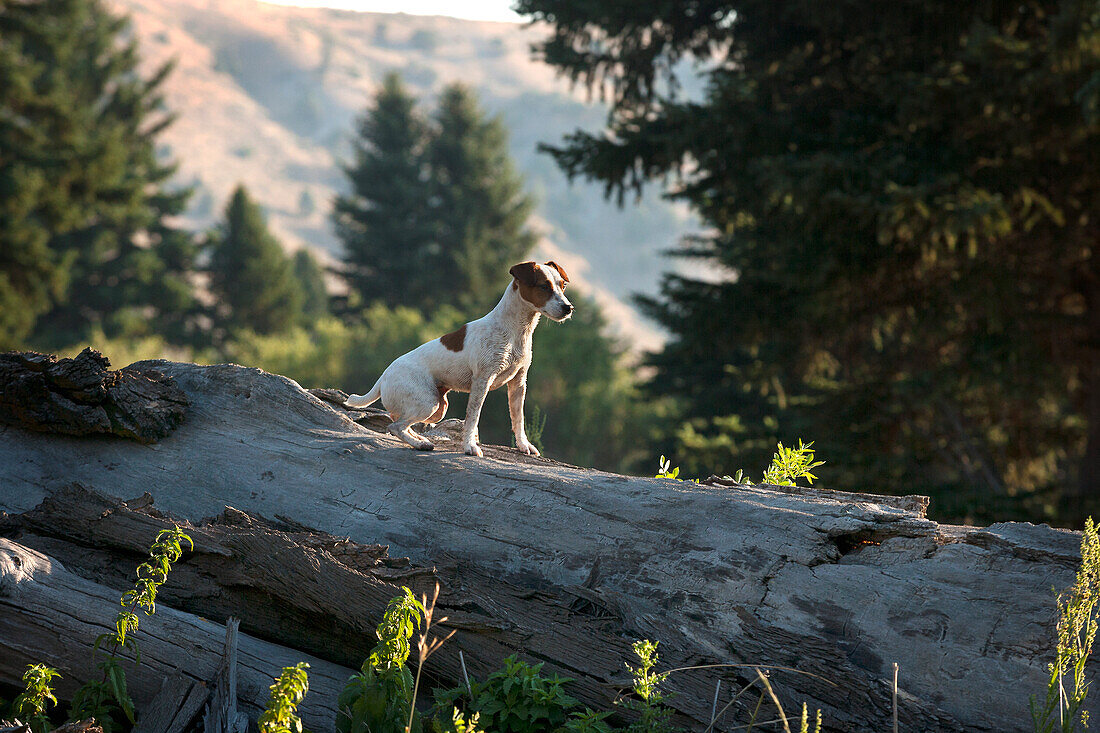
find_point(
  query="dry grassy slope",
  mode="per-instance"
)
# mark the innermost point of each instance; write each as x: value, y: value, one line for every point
x: 268, y: 95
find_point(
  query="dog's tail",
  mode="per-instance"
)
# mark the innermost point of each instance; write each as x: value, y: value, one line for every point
x: 362, y: 400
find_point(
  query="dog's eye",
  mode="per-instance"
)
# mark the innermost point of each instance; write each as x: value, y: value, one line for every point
x: 548, y: 288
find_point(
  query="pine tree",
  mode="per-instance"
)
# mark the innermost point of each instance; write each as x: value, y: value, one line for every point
x: 390, y: 251
x: 902, y: 205
x: 250, y: 275
x: 481, y: 209
x: 311, y: 278
x: 85, y: 200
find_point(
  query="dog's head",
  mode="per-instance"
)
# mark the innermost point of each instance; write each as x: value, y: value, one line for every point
x: 543, y: 286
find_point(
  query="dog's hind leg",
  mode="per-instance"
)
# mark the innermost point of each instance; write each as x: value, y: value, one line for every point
x: 410, y: 403
x: 441, y: 408
x: 402, y: 429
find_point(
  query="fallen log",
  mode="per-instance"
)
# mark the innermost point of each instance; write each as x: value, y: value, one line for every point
x: 49, y: 615
x: 838, y: 585
x: 81, y: 396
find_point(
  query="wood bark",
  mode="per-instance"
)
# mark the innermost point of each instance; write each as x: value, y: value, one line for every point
x: 568, y: 565
x: 50, y: 615
x: 81, y: 396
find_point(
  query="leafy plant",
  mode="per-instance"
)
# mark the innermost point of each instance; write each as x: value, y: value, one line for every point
x: 665, y: 470
x: 653, y: 715
x: 461, y: 724
x: 105, y: 698
x: 791, y: 464
x: 31, y: 704
x: 290, y: 688
x: 518, y: 699
x: 1077, y: 623
x: 379, y: 698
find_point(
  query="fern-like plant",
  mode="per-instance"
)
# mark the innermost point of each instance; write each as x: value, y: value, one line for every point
x: 106, y: 698
x: 379, y: 698
x: 290, y: 688
x: 1061, y: 710
x: 653, y: 715
x: 33, y: 703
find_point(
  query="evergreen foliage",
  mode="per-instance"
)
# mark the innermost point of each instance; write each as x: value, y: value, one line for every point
x: 901, y: 201
x: 311, y: 279
x: 391, y: 253
x: 481, y: 209
x: 253, y: 279
x: 437, y: 212
x: 84, y: 200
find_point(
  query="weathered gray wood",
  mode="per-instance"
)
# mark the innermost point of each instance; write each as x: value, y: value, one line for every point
x: 174, y: 708
x: 50, y: 615
x: 221, y: 713
x: 833, y: 586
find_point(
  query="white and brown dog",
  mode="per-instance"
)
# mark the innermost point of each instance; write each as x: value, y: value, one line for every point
x: 482, y: 355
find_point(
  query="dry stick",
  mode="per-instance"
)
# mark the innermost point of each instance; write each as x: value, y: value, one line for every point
x: 425, y: 647
x: 733, y: 699
x: 778, y: 706
x: 895, y: 697
x: 714, y: 705
x: 464, y: 675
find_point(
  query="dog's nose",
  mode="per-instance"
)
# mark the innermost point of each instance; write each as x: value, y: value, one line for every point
x: 568, y: 308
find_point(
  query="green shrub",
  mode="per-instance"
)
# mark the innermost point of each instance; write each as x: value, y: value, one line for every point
x: 653, y: 715
x: 379, y: 698
x: 1077, y: 622
x: 290, y: 688
x: 31, y: 704
x: 515, y: 699
x: 106, y: 698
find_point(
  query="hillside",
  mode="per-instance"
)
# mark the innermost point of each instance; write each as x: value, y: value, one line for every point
x: 268, y: 95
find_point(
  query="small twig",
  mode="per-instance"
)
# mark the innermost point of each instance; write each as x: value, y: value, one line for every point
x: 752, y: 666
x: 465, y: 676
x: 778, y: 706
x: 714, y: 705
x: 895, y: 697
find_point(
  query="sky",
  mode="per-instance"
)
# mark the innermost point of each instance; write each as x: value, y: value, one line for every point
x: 470, y: 9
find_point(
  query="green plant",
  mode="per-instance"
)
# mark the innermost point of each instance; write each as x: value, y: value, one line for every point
x: 30, y: 705
x: 804, y: 726
x: 790, y: 464
x: 379, y: 698
x: 1076, y: 629
x: 536, y: 427
x: 281, y: 715
x: 518, y: 699
x: 653, y: 715
x: 665, y: 470
x: 461, y: 724
x: 105, y: 698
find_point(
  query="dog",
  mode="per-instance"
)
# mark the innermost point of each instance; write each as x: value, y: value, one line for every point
x: 480, y: 356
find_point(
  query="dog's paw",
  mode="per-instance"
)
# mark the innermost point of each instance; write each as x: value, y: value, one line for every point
x: 473, y: 449
x: 425, y: 445
x: 527, y: 448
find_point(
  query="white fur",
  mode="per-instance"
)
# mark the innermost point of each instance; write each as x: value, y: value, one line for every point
x: 496, y: 351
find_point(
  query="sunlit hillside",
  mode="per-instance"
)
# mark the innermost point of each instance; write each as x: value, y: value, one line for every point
x: 268, y: 96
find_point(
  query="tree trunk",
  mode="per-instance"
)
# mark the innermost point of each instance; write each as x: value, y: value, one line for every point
x: 568, y: 565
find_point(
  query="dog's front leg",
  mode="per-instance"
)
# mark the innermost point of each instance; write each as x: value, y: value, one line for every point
x: 478, y: 389
x: 517, y: 391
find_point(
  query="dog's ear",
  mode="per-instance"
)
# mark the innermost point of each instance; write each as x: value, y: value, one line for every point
x: 556, y: 266
x: 526, y: 273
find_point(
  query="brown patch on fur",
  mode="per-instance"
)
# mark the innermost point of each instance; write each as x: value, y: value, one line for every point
x: 440, y: 408
x: 534, y: 286
x: 454, y: 340
x: 564, y: 277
